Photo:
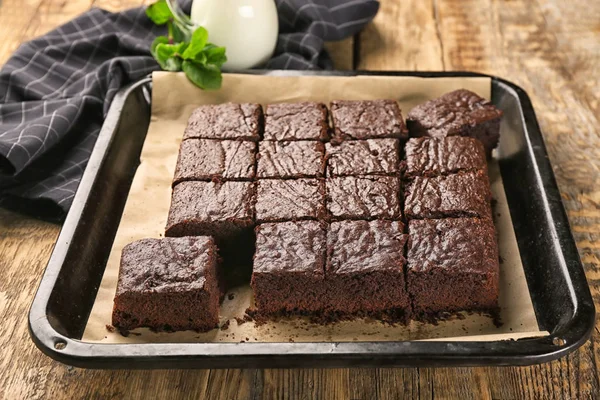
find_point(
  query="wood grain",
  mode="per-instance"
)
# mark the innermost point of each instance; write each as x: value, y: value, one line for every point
x: 551, y: 48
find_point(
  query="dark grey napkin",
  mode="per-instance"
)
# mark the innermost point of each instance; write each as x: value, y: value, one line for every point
x: 56, y: 90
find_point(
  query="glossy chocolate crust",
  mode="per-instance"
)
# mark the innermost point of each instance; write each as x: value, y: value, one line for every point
x: 219, y: 209
x: 443, y: 156
x: 225, y: 121
x: 207, y: 159
x: 296, y: 121
x: 367, y: 119
x: 290, y: 200
x: 373, y: 197
x: 363, y: 157
x: 458, y: 113
x: 466, y: 194
x: 289, y: 267
x: 365, y: 268
x: 291, y: 159
x: 290, y: 247
x: 168, y: 284
x: 355, y: 247
x: 452, y: 265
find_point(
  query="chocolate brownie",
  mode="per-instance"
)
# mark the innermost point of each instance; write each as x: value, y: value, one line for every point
x: 296, y: 121
x: 291, y: 159
x: 168, y: 284
x: 219, y: 209
x: 225, y: 121
x: 205, y: 159
x: 367, y: 119
x: 452, y: 265
x: 466, y: 194
x: 288, y: 275
x: 363, y: 157
x: 289, y: 200
x: 372, y: 197
x: 458, y: 113
x: 443, y: 156
x: 365, y: 267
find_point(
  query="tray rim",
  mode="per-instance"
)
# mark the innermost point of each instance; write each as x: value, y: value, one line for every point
x: 75, y: 352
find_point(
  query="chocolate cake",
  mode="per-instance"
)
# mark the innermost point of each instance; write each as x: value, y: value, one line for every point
x: 316, y: 227
x: 219, y: 209
x: 290, y: 200
x: 206, y: 159
x: 466, y: 194
x: 225, y: 121
x: 363, y: 157
x: 452, y: 265
x: 168, y: 284
x: 289, y: 262
x: 296, y: 121
x: 443, y: 156
x: 365, y: 268
x: 367, y: 119
x: 291, y: 159
x: 458, y: 113
x: 373, y: 197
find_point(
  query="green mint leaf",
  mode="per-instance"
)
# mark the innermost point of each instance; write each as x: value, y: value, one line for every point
x: 205, y: 77
x: 169, y: 55
x: 215, y: 55
x: 172, y: 64
x: 159, y: 12
x: 197, y: 43
x: 200, y: 58
x: 156, y: 42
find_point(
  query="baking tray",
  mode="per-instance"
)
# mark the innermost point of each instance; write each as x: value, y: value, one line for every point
x: 555, y: 277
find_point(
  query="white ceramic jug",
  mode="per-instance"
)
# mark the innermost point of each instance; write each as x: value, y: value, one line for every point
x: 246, y: 28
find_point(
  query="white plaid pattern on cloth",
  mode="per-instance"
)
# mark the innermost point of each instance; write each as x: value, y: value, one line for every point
x: 56, y: 90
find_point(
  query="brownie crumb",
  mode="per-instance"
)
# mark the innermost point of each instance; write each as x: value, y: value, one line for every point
x: 225, y: 326
x: 231, y: 296
x: 240, y: 321
x: 255, y: 316
x: 110, y: 328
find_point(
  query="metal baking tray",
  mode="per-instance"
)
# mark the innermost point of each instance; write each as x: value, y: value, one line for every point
x: 555, y: 275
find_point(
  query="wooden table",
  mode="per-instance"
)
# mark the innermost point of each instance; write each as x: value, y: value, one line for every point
x: 549, y: 47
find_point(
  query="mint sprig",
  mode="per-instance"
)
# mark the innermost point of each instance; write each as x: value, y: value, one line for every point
x: 199, y: 60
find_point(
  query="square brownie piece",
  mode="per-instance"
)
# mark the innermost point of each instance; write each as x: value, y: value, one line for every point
x: 225, y: 121
x: 443, y: 156
x: 365, y: 267
x: 452, y: 265
x: 168, y: 284
x: 363, y: 157
x: 296, y: 121
x: 219, y: 209
x: 367, y: 119
x: 291, y: 159
x: 466, y: 194
x: 369, y: 197
x: 458, y: 113
x: 289, y: 262
x: 206, y: 159
x: 289, y: 200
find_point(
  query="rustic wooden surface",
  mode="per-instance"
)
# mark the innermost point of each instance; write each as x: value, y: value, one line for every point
x: 549, y: 47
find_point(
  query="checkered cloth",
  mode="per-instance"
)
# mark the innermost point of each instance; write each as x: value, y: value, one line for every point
x: 56, y: 90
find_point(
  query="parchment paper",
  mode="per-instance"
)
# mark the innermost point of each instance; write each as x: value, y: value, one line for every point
x: 145, y: 215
